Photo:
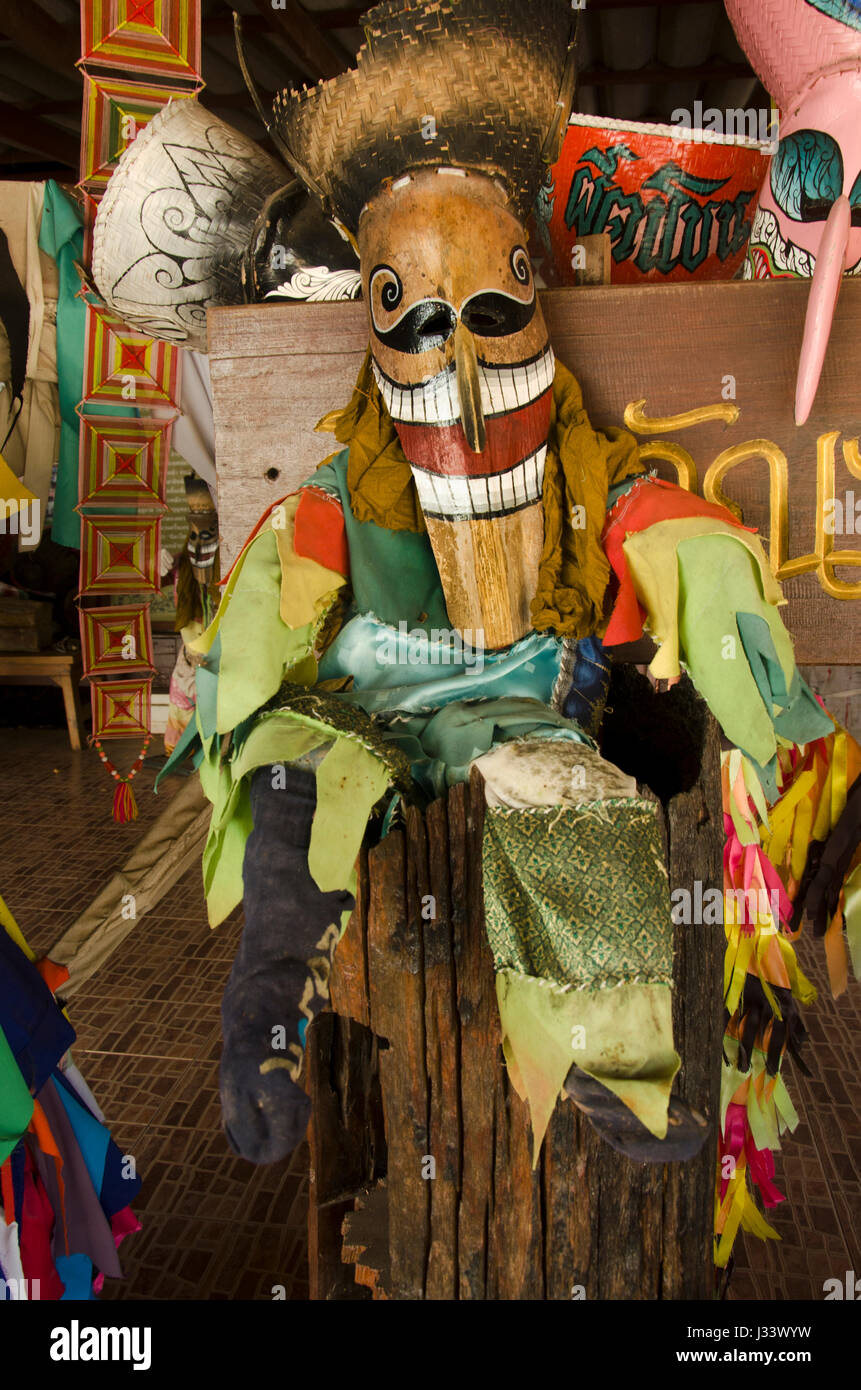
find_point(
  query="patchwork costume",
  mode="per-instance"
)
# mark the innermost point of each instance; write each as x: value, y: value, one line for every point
x: 435, y: 597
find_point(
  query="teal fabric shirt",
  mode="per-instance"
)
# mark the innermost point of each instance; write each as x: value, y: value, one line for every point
x: 61, y: 236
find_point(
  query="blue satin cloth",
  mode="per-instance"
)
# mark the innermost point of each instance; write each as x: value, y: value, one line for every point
x: 418, y: 672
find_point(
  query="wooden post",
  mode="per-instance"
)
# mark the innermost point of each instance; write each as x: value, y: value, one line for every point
x: 416, y: 998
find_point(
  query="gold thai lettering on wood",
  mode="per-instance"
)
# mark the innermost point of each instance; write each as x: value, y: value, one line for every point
x: 681, y: 460
x: 823, y: 559
x: 637, y: 420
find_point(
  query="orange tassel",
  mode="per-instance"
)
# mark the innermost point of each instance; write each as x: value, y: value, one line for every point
x: 125, y: 806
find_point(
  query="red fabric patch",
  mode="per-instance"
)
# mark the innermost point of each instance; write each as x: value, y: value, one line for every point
x: 319, y: 532
x: 35, y: 1232
x: 250, y: 537
x: 645, y: 505
x: 53, y: 974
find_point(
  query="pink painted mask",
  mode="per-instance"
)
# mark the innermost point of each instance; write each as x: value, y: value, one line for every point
x: 808, y: 222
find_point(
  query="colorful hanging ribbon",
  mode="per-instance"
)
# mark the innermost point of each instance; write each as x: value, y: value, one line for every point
x: 765, y: 855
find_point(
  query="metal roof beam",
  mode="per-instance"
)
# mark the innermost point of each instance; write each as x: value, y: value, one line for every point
x: 659, y: 72
x: 35, y: 33
x: 33, y: 133
x: 315, y: 54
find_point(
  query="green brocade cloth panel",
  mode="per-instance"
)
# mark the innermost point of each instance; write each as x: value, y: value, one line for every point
x: 578, y: 896
x: 61, y: 236
x: 333, y: 717
x: 622, y: 1037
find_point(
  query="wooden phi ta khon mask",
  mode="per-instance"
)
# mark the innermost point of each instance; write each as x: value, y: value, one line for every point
x: 462, y: 358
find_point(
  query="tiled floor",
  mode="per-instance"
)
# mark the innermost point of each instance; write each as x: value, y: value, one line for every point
x: 149, y: 1037
x: 215, y: 1227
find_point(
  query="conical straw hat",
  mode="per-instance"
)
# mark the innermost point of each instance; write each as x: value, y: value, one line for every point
x: 483, y: 84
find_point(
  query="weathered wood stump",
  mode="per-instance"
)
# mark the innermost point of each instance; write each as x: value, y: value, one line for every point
x: 408, y: 1067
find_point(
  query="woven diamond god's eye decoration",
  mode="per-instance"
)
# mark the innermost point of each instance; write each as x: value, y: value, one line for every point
x: 431, y: 153
x: 160, y: 38
x: 115, y: 113
x: 121, y: 709
x: 119, y: 555
x: 116, y: 640
x: 123, y: 463
x: 122, y: 364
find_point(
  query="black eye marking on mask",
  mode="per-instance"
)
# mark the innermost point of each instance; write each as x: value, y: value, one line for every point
x: 428, y: 324
x: 493, y: 314
x: 855, y: 202
x: 807, y: 175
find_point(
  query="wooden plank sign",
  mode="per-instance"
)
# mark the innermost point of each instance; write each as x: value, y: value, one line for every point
x: 703, y: 374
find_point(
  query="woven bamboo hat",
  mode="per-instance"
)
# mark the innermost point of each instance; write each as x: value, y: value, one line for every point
x: 481, y: 84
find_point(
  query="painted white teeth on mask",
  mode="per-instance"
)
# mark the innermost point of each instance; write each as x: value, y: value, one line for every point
x: 436, y: 402
x: 496, y: 494
x: 491, y: 395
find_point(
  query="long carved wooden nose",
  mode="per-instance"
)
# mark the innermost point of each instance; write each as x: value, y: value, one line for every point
x: 469, y: 389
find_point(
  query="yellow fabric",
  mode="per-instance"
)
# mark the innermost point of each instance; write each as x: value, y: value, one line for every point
x: 852, y: 914
x: 378, y: 474
x: 306, y: 585
x: 651, y: 557
x: 13, y: 930
x: 783, y: 817
x: 12, y: 490
x: 582, y: 465
x: 738, y: 1209
x: 623, y: 1037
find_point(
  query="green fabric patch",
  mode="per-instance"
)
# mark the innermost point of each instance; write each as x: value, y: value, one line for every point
x: 350, y: 781
x: 442, y: 745
x: 16, y: 1103
x: 798, y: 716
x: 622, y: 1037
x: 257, y: 646
x: 224, y: 851
x: 61, y: 236
x: 718, y: 580
x: 333, y: 716
x: 276, y: 739
x: 579, y: 895
x: 393, y: 573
